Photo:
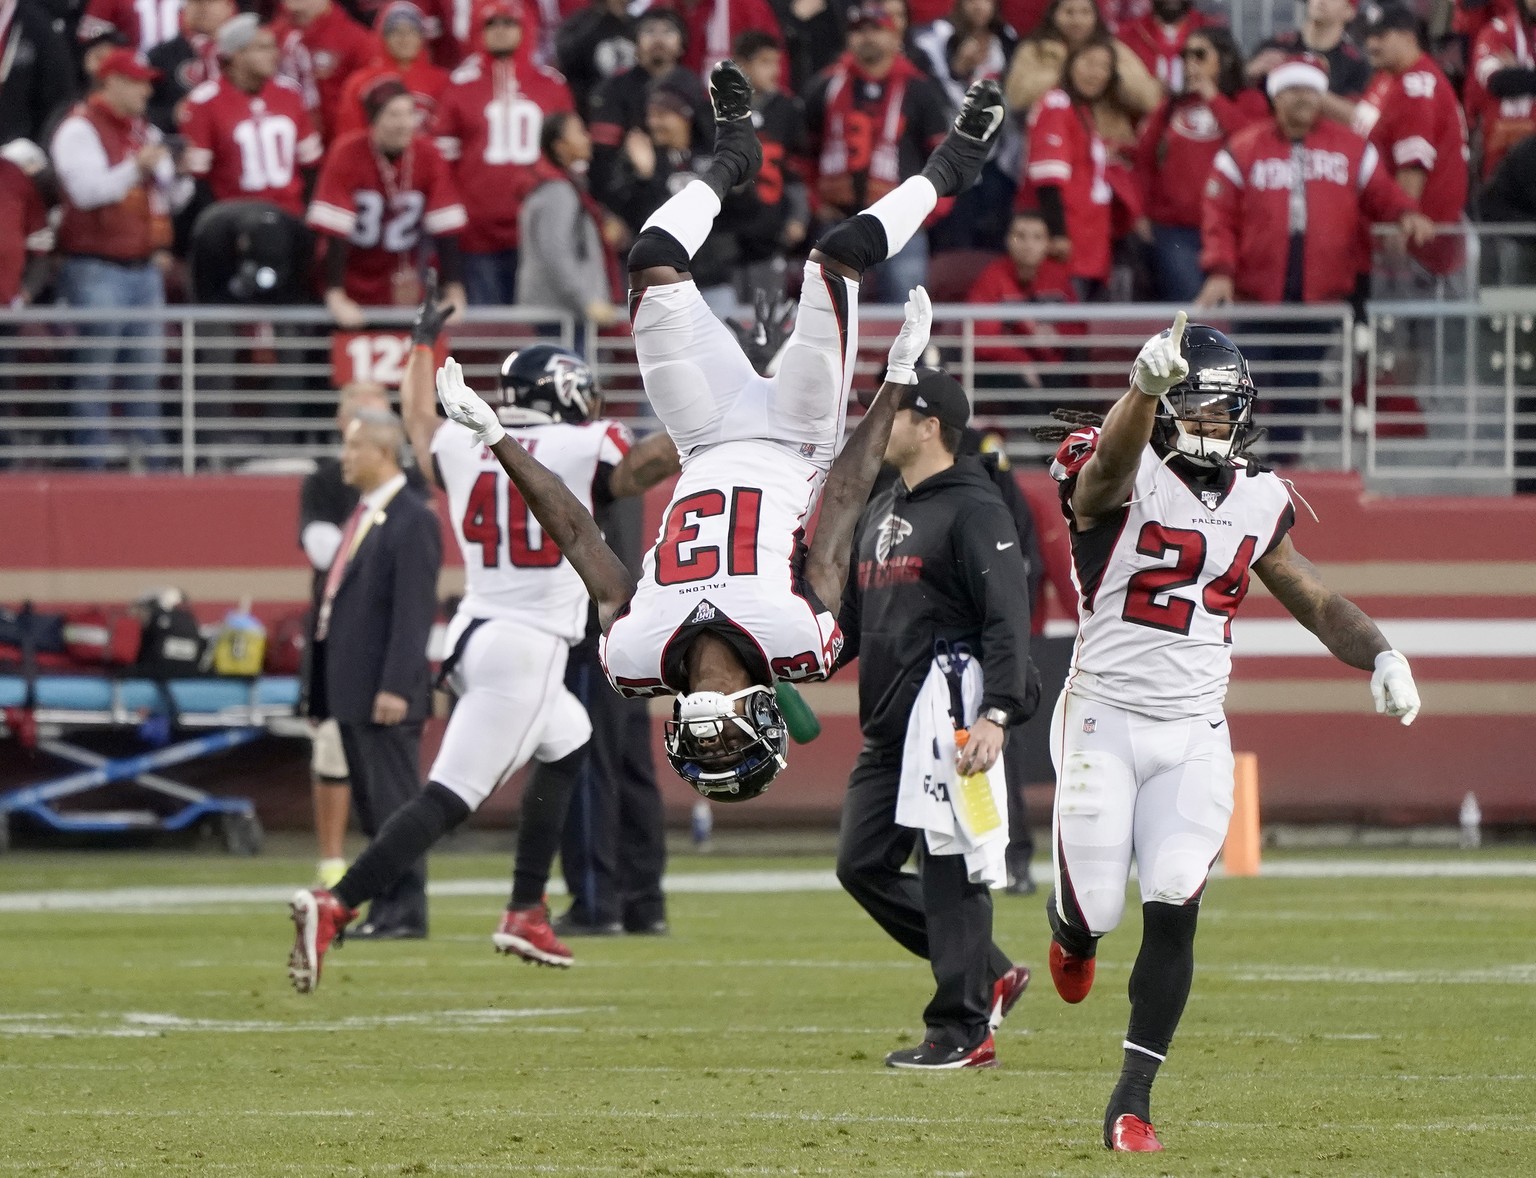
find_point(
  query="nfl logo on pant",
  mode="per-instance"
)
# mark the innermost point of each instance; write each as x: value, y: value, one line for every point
x: 1090, y: 724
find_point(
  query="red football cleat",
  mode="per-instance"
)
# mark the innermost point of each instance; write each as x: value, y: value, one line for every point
x: 527, y: 934
x: 1072, y: 974
x: 1006, y: 991
x: 1130, y: 1134
x: 318, y: 921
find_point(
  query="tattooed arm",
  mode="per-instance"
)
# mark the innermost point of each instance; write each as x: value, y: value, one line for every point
x: 1342, y: 625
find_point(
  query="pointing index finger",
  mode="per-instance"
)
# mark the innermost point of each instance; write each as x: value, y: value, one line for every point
x: 1179, y: 321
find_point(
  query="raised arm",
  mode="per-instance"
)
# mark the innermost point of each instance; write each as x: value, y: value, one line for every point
x: 418, y: 407
x: 1107, y: 478
x: 648, y: 462
x: 1341, y: 625
x: 853, y: 471
x: 558, y: 511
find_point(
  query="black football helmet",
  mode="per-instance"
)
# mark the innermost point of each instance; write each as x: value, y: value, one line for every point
x: 1218, y: 388
x: 725, y: 755
x: 546, y: 385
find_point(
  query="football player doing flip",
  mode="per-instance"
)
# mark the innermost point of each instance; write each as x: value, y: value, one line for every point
x: 1168, y: 519
x: 730, y: 601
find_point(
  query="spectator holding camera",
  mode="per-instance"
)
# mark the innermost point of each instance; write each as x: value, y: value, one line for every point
x: 1179, y: 143
x: 248, y: 135
x: 120, y: 187
x: 380, y: 192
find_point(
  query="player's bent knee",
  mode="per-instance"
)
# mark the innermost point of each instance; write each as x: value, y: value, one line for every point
x: 858, y: 243
x: 656, y: 248
x: 1175, y: 878
x: 1102, y: 908
x: 451, y: 807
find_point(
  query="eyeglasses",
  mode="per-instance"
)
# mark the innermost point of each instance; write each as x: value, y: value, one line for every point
x: 1194, y: 53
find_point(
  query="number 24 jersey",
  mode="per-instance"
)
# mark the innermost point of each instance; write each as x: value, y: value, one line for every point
x: 1159, y: 581
x: 728, y: 560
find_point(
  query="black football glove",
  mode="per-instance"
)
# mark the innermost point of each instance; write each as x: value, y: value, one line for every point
x: 430, y: 316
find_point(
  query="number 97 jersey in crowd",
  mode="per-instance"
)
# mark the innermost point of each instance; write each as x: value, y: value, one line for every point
x: 1159, y: 580
x: 512, y: 570
x: 728, y: 560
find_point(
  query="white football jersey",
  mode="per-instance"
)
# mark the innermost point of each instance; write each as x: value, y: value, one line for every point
x: 728, y: 559
x: 511, y: 568
x: 1159, y: 581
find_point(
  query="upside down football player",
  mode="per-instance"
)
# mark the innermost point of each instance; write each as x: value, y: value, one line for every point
x: 1168, y: 517
x: 730, y: 602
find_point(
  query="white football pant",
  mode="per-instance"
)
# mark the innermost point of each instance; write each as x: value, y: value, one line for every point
x: 1130, y: 786
x: 513, y: 705
x: 705, y: 391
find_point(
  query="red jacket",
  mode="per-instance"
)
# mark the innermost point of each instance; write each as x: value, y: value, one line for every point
x: 487, y: 127
x: 1179, y: 143
x: 1159, y: 45
x: 1502, y: 122
x: 1065, y: 152
x: 1000, y: 283
x: 23, y: 228
x: 711, y: 34
x: 320, y: 57
x: 1413, y: 120
x: 1245, y: 232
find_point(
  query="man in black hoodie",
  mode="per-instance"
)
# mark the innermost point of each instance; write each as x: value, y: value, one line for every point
x: 936, y: 556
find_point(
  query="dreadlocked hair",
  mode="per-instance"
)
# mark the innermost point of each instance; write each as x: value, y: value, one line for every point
x: 1075, y: 420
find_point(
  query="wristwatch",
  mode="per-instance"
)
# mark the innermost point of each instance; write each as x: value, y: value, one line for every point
x: 996, y: 715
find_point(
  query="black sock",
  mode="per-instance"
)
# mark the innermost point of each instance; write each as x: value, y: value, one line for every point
x: 546, y: 799
x: 1133, y: 1094
x: 410, y: 831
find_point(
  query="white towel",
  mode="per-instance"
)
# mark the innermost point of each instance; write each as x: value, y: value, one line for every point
x: 929, y: 778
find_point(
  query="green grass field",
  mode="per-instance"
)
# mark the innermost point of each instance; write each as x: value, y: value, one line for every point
x: 1352, y: 1026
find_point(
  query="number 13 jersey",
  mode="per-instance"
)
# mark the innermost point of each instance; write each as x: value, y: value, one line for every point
x: 728, y: 560
x: 511, y: 568
x: 1159, y: 580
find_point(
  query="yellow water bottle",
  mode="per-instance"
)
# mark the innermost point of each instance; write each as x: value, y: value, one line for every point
x: 973, y: 797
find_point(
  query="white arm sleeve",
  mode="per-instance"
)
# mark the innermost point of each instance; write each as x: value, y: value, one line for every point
x: 321, y: 542
x: 81, y: 164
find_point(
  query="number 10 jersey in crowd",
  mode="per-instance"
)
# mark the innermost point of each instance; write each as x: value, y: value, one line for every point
x: 729, y: 560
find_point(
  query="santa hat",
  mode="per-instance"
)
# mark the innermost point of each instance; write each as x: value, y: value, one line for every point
x: 1304, y: 70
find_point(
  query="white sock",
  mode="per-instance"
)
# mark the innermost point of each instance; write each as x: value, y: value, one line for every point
x: 903, y: 210
x: 690, y: 214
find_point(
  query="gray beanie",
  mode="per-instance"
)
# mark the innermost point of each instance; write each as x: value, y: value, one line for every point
x: 236, y: 33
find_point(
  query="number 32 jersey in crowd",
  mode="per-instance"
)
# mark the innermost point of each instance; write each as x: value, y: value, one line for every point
x: 1159, y: 580
x: 511, y: 568
x: 729, y: 561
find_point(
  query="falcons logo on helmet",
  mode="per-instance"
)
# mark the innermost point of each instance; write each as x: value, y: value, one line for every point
x: 567, y: 376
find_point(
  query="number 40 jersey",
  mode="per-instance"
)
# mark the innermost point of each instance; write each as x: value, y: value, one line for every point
x: 728, y: 560
x: 511, y: 568
x: 1159, y: 580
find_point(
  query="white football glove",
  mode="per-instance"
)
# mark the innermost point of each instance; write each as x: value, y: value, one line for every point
x: 1159, y: 366
x: 1392, y: 687
x: 911, y: 341
x: 465, y: 406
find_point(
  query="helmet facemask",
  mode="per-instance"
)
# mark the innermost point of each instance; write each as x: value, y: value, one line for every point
x: 726, y: 755
x: 1207, y: 425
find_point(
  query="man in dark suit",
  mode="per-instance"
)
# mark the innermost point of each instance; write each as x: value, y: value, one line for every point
x: 371, y: 645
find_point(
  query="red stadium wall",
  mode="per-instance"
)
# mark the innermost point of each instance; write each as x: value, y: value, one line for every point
x: 1452, y: 581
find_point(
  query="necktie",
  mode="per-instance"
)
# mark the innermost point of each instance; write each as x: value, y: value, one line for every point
x: 338, y: 569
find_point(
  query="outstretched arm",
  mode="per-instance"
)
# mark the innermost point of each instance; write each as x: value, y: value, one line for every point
x: 1341, y: 625
x: 648, y: 462
x: 1108, y: 477
x: 418, y: 407
x: 559, y: 512
x: 853, y: 471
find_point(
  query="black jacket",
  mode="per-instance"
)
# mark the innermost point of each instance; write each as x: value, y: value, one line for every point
x: 939, y: 561
x: 383, y: 614
x: 37, y: 76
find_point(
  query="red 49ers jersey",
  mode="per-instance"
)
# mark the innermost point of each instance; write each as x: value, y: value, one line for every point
x: 728, y: 560
x: 320, y: 57
x: 1065, y: 151
x: 250, y: 146
x: 142, y: 23
x: 1159, y: 581
x: 383, y: 216
x: 487, y: 126
x: 511, y: 568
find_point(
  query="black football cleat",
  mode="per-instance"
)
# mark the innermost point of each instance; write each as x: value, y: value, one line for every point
x: 955, y: 163
x: 936, y: 1057
x: 737, y: 149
